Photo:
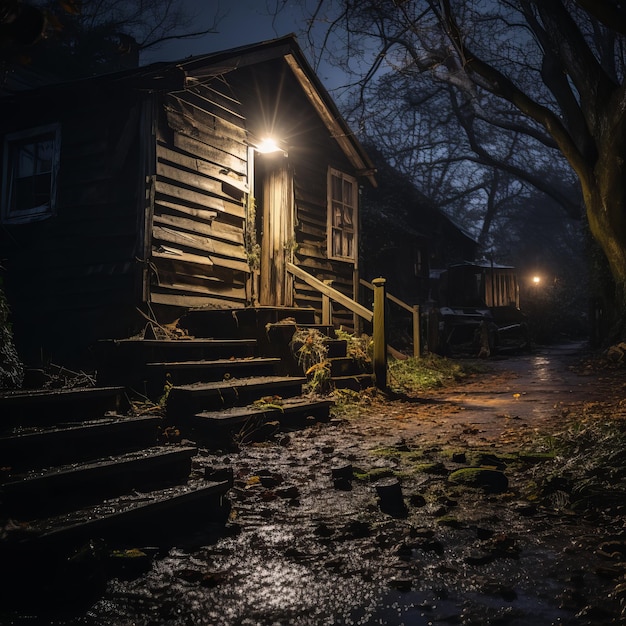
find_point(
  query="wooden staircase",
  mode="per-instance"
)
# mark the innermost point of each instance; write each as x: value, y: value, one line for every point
x: 77, y: 467
x: 77, y: 464
x: 230, y: 374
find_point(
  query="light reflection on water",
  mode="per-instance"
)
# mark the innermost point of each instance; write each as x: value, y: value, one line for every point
x: 541, y: 368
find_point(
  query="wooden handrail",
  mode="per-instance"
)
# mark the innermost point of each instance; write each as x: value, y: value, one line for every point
x: 377, y: 316
x: 413, y: 310
x: 331, y: 292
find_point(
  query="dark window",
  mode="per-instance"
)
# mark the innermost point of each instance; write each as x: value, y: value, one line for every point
x: 31, y: 161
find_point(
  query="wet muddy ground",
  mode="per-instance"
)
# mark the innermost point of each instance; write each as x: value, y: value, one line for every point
x: 303, y: 548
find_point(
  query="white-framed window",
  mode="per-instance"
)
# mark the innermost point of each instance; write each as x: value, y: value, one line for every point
x: 342, y: 215
x: 29, y: 177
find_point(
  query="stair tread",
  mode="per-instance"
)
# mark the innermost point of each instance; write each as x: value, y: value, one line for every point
x: 242, y: 412
x: 251, y: 381
x: 215, y: 362
x: 51, y: 394
x: 93, y: 520
x: 63, y: 471
x: 182, y: 342
x: 35, y: 432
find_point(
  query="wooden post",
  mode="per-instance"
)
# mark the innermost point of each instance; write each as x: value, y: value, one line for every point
x: 327, y: 307
x: 417, y: 337
x: 380, y: 335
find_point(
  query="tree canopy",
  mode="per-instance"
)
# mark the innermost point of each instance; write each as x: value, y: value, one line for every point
x: 86, y: 37
x: 534, y: 89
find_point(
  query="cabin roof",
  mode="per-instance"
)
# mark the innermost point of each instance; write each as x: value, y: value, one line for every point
x: 171, y: 76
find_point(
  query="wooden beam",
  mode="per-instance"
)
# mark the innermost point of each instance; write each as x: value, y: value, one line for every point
x: 334, y: 294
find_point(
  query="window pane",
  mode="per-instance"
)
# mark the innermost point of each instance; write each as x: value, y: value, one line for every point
x: 337, y: 219
x: 336, y: 188
x: 347, y: 192
x: 336, y: 242
x: 347, y: 216
x: 45, y: 150
x: 349, y: 240
x: 26, y: 160
x: 31, y: 174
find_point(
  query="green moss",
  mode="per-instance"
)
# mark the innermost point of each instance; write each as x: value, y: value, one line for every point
x: 489, y: 480
x: 373, y: 474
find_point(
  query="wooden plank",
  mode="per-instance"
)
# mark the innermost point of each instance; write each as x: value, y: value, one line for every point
x: 221, y: 127
x: 204, y: 183
x: 200, y: 216
x: 334, y: 294
x: 209, y: 101
x: 206, y: 152
x: 198, y: 242
x: 167, y: 252
x: 219, y: 289
x: 183, y: 300
x: 181, y: 256
x: 201, y: 200
x: 311, y: 231
x: 214, y: 229
x: 205, y: 167
x: 206, y: 136
x: 172, y: 275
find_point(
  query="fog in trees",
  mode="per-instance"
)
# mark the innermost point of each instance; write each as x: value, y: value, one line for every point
x: 491, y: 105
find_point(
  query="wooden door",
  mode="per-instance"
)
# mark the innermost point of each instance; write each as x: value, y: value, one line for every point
x: 275, y: 183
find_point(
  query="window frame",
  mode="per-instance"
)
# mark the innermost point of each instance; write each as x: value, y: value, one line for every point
x: 343, y: 230
x: 11, y: 143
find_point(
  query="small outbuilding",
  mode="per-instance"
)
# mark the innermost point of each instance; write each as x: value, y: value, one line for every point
x: 141, y: 194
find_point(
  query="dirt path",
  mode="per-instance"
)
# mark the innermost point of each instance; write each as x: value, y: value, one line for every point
x: 303, y: 549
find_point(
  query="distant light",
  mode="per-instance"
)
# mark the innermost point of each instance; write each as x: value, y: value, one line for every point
x: 536, y: 280
x: 268, y: 145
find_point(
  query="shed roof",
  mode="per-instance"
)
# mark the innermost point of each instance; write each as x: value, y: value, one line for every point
x: 178, y: 75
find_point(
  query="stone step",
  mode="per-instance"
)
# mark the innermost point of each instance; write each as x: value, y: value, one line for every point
x: 187, y: 372
x: 67, y: 487
x: 36, y: 447
x: 46, y: 407
x: 186, y: 400
x: 216, y: 429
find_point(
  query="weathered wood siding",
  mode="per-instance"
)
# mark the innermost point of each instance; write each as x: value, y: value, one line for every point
x: 198, y: 256
x: 71, y: 279
x: 275, y: 103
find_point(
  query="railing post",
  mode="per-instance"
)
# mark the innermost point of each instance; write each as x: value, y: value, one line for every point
x: 380, y: 334
x: 327, y: 310
x: 417, y: 332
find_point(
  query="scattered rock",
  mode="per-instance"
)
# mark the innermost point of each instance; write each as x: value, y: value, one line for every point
x: 401, y: 584
x: 390, y: 497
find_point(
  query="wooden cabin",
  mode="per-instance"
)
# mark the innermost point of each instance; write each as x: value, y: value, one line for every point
x: 140, y: 194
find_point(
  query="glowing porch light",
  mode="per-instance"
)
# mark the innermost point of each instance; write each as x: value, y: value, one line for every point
x: 268, y: 145
x: 536, y: 280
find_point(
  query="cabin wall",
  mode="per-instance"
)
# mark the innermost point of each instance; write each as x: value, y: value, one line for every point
x: 71, y: 279
x: 198, y: 257
x: 311, y: 238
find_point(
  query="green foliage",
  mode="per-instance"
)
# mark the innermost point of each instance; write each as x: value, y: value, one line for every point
x: 358, y: 348
x: 415, y: 374
x: 309, y: 346
x: 11, y: 368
